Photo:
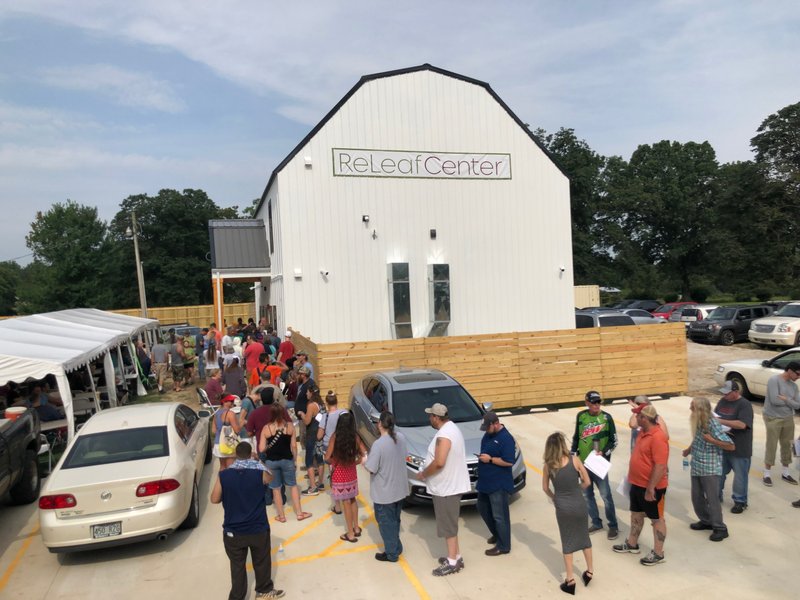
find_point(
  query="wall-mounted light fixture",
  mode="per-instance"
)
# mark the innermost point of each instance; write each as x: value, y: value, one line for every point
x: 365, y: 218
x: 307, y: 160
x: 433, y: 234
x: 298, y: 273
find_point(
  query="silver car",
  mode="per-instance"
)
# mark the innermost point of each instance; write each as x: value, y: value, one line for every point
x: 407, y: 393
x: 642, y: 317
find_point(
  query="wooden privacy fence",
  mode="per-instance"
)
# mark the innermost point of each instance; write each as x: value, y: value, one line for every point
x: 518, y: 370
x: 199, y: 316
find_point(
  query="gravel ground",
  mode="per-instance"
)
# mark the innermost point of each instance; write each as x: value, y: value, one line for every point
x: 704, y: 358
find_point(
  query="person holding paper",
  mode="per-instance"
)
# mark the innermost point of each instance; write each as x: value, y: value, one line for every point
x: 595, y: 433
x: 706, y: 449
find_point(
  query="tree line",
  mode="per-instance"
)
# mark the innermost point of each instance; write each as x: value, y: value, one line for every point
x: 669, y: 221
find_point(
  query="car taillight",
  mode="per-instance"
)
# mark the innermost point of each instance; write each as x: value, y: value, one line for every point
x: 57, y: 501
x: 151, y: 488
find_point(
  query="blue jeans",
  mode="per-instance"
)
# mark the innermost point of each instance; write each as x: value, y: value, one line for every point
x: 201, y: 365
x: 604, y: 489
x: 388, y: 518
x: 740, y: 467
x: 493, y: 509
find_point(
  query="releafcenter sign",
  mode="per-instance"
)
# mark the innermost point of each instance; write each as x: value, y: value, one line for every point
x: 357, y: 162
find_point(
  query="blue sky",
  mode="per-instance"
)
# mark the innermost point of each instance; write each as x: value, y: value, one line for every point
x: 102, y: 100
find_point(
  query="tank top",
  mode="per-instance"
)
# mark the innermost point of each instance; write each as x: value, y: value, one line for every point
x: 281, y: 449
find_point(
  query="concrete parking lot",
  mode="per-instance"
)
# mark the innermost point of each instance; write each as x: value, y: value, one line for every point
x: 757, y: 560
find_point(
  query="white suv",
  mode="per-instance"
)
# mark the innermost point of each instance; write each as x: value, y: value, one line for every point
x: 782, y: 328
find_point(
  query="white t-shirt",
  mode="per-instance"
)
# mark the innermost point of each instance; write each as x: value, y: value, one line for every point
x: 454, y: 476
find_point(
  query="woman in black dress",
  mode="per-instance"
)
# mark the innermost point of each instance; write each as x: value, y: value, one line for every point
x: 568, y: 476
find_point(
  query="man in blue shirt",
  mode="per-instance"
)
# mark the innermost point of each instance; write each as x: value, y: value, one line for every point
x: 240, y: 489
x: 496, y: 482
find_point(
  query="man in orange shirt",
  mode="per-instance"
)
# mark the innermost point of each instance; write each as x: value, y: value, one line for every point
x: 647, y: 475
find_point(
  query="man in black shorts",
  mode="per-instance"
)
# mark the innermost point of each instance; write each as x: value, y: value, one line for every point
x: 647, y: 474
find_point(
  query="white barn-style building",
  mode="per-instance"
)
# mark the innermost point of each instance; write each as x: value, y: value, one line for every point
x: 420, y: 205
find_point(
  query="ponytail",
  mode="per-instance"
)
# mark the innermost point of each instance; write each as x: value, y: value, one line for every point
x: 387, y: 422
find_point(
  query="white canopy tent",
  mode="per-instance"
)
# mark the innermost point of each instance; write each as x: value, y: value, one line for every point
x: 57, y: 343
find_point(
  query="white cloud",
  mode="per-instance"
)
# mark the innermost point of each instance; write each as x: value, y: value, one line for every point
x: 128, y: 88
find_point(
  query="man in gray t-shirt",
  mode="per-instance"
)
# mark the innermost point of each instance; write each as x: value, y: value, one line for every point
x: 388, y: 485
x: 736, y: 412
x: 781, y: 401
x: 159, y: 356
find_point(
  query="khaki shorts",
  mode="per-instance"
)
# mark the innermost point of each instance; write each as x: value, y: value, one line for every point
x: 160, y: 369
x: 446, y: 510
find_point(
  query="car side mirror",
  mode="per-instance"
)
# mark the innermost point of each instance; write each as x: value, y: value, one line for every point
x: 204, y: 414
x: 487, y: 406
x: 765, y: 363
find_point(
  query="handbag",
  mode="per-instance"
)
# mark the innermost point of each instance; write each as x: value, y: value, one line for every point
x: 228, y: 439
x: 319, y: 446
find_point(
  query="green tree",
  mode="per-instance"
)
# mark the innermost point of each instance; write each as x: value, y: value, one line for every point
x: 663, y: 202
x: 777, y: 145
x: 584, y: 168
x: 69, y: 244
x: 174, y: 247
x: 10, y: 273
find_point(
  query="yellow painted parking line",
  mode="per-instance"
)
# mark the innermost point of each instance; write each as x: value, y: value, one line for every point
x: 327, y: 554
x: 303, y: 531
x: 18, y: 558
x: 532, y: 468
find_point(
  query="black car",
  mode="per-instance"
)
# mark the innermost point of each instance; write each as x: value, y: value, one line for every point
x: 648, y: 305
x: 727, y: 324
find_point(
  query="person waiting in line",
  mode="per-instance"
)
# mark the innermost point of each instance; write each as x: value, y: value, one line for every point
x: 633, y: 422
x: 388, y: 485
x: 345, y: 452
x: 568, y: 475
x: 211, y: 358
x: 277, y: 447
x: 224, y: 416
x: 309, y: 418
x: 233, y: 380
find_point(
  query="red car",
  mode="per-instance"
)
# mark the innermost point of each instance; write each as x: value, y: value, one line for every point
x: 665, y: 310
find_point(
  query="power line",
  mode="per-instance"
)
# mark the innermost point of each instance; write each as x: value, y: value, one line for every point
x: 18, y: 257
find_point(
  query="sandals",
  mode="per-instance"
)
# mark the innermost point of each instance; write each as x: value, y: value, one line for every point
x: 334, y: 511
x: 303, y: 515
x: 587, y: 577
x: 344, y: 538
x: 358, y: 532
x: 281, y: 519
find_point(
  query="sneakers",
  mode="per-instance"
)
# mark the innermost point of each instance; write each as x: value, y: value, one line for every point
x: 310, y: 492
x: 447, y: 568
x: 593, y: 528
x: 700, y: 526
x: 796, y: 503
x: 626, y: 547
x: 767, y: 481
x: 613, y: 533
x: 789, y: 479
x: 270, y: 594
x: 718, y: 535
x: 738, y: 508
x: 443, y: 561
x: 652, y: 559
x: 383, y: 557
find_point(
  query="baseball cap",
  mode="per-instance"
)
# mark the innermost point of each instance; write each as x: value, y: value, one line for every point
x: 229, y: 398
x: 304, y: 370
x: 301, y: 353
x: 440, y: 410
x: 593, y: 397
x: 489, y: 419
x: 648, y: 410
x: 729, y: 387
x: 793, y: 366
x: 287, y: 334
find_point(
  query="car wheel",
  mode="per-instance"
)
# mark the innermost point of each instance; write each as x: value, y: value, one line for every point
x: 27, y: 488
x: 727, y: 338
x: 193, y: 518
x: 740, y: 383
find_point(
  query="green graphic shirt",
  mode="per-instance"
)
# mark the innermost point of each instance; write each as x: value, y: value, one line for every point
x: 590, y: 429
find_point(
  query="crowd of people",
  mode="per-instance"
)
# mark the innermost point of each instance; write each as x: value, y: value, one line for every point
x: 279, y: 414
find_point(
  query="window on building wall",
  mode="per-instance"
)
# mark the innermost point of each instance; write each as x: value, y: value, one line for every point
x: 439, y: 298
x: 400, y: 300
x: 269, y: 220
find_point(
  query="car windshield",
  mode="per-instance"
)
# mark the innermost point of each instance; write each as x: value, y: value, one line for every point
x: 117, y: 446
x: 409, y: 406
x: 664, y: 308
x: 721, y: 314
x: 790, y: 310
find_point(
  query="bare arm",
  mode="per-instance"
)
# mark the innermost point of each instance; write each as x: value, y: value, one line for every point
x: 216, y: 492
x: 656, y: 475
x: 546, y: 482
x: 585, y: 481
x: 331, y: 444
x: 439, y: 458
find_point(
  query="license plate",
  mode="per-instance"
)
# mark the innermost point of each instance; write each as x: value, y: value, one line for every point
x: 106, y: 530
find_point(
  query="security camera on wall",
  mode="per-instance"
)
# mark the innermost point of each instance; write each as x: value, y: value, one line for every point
x: 323, y: 272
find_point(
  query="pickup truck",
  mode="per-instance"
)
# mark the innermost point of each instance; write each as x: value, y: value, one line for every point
x: 19, y: 457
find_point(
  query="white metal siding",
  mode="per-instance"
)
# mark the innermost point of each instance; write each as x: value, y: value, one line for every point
x: 504, y: 240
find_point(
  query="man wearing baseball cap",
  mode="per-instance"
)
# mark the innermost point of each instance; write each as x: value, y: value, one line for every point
x: 647, y: 474
x: 496, y: 482
x: 286, y: 349
x: 446, y: 478
x: 781, y: 401
x: 595, y: 432
x: 737, y: 413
